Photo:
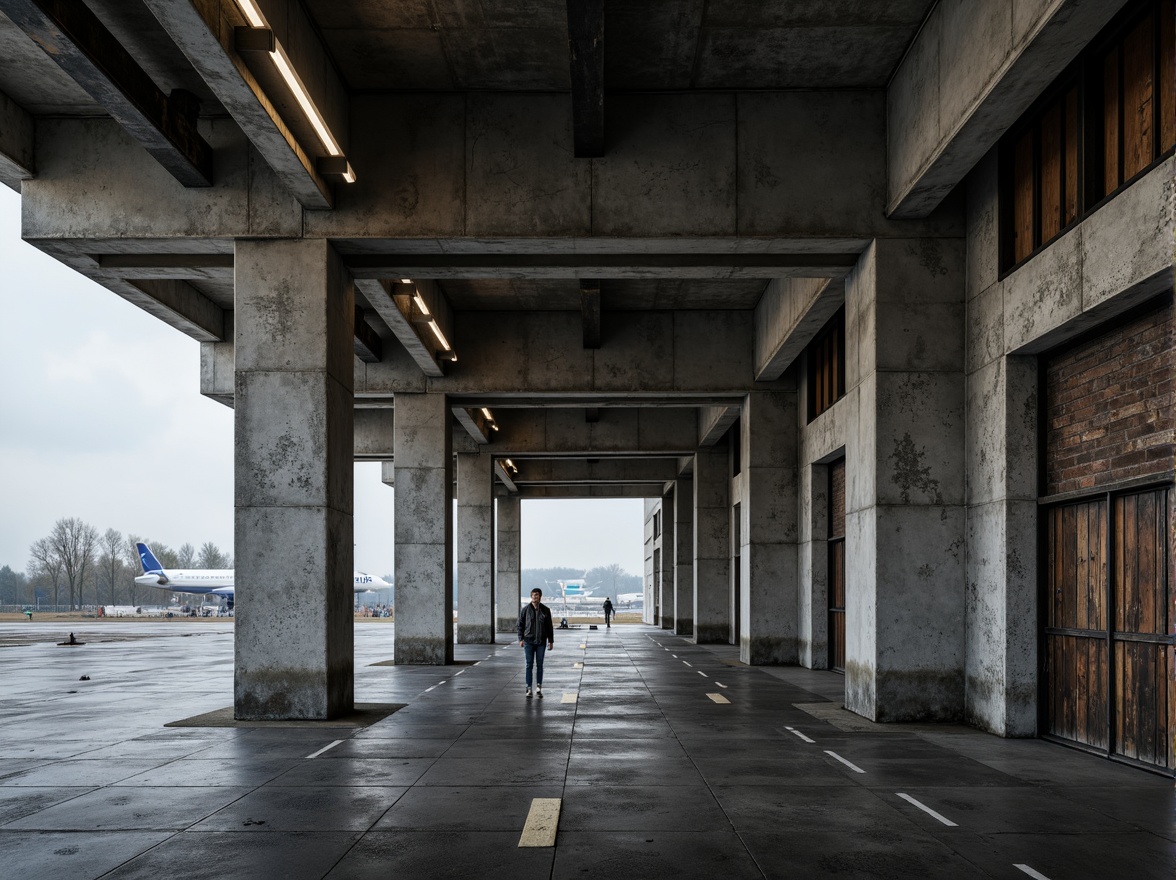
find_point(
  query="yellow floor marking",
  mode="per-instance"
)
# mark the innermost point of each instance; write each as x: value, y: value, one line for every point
x: 568, y: 698
x: 718, y: 698
x: 577, y: 666
x: 542, y: 821
x: 583, y: 646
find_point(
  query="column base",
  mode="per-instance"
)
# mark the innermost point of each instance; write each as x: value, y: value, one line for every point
x: 508, y: 625
x: 684, y: 627
x: 422, y: 652
x: 475, y: 634
x: 712, y: 635
x: 765, y: 651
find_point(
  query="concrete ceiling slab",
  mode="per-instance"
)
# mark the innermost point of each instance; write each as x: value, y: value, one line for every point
x: 616, y: 294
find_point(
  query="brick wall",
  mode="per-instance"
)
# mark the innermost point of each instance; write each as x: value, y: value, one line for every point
x: 1109, y: 403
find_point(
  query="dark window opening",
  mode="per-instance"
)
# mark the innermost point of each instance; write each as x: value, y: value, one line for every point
x: 826, y: 366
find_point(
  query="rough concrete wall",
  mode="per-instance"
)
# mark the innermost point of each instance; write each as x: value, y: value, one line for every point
x: 712, y: 545
x: 667, y: 545
x: 294, y: 652
x: 975, y: 67
x: 423, y: 530
x: 475, y: 550
x: 1114, y: 259
x: 769, y: 530
x: 684, y: 556
x: 905, y: 497
x: 508, y: 578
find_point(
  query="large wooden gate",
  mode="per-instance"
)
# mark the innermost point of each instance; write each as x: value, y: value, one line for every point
x: 1109, y: 603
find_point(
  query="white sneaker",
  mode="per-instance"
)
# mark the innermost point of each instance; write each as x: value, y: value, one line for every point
x: 529, y: 693
x: 539, y: 691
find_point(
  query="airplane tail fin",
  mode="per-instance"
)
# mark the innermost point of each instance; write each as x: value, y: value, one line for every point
x: 150, y: 563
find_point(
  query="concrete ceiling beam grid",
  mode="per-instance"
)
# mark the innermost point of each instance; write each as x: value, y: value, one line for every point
x: 183, y: 266
x: 77, y: 41
x: 205, y: 31
x: 17, y: 161
x: 369, y: 348
x: 397, y: 309
x: 564, y: 471
x: 714, y: 422
x: 974, y: 68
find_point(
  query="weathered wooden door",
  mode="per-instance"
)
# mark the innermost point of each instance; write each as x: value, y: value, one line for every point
x: 1109, y: 636
x: 837, y: 565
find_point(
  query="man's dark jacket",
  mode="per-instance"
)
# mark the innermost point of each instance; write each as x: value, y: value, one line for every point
x: 535, y: 624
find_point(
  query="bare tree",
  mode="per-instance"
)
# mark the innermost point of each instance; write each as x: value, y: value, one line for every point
x: 134, y: 564
x: 111, y: 547
x: 186, y: 556
x: 212, y: 557
x: 46, y: 564
x: 74, y: 542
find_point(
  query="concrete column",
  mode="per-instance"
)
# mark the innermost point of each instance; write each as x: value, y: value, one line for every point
x: 905, y: 473
x: 712, y: 545
x: 683, y: 514
x: 424, y: 530
x: 507, y: 578
x: 665, y: 601
x: 769, y: 529
x: 293, y: 372
x: 475, y: 550
x: 812, y: 637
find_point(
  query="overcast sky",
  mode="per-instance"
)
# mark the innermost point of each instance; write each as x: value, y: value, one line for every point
x: 101, y: 418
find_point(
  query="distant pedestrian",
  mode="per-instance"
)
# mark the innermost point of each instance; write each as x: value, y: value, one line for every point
x: 536, y: 637
x: 608, y: 613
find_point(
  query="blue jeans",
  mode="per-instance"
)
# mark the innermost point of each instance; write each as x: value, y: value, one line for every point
x: 534, y: 654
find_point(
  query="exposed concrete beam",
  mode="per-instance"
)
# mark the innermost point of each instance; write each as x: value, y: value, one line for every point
x: 388, y: 473
x: 505, y: 477
x: 373, y: 434
x: 597, y: 402
x: 77, y: 41
x: 713, y: 423
x: 537, y: 471
x: 615, y: 490
x: 187, y: 308
x: 394, y: 311
x: 190, y: 267
x: 590, y: 312
x: 368, y: 346
x: 789, y: 314
x: 586, y: 45
x: 556, y: 433
x: 627, y: 265
x: 975, y: 67
x: 16, y: 144
x: 204, y: 30
x: 475, y: 424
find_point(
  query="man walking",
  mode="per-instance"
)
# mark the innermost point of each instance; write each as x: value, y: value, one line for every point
x: 608, y: 613
x: 536, y: 637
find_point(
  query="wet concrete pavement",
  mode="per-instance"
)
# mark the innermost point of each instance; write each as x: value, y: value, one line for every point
x: 671, y: 760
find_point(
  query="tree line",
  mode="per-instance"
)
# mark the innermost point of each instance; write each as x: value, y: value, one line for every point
x: 77, y: 565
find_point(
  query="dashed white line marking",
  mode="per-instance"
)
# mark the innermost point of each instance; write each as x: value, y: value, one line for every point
x: 442, y: 682
x: 458, y: 673
x: 689, y: 664
x: 583, y: 646
x: 1036, y: 875
x: 703, y: 674
x: 796, y: 732
x: 568, y: 698
x: 542, y: 821
x: 675, y: 656
x: 720, y: 684
x: 718, y: 698
x: 429, y: 689
x: 852, y: 766
x: 926, y: 809
x: 325, y: 749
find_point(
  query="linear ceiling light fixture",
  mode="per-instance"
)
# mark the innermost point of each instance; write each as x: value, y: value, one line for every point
x: 489, y: 417
x: 331, y: 164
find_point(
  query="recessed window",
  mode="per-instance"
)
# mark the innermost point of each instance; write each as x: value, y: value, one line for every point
x: 1108, y: 119
x: 826, y: 366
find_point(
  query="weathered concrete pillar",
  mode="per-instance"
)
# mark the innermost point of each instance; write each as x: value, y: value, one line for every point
x: 768, y: 508
x: 475, y: 550
x: 665, y: 601
x: 294, y: 646
x: 712, y: 545
x: 812, y: 637
x: 683, y: 514
x: 424, y: 530
x: 507, y: 577
x: 905, y: 469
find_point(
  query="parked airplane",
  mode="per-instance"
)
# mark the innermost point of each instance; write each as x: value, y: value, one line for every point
x: 216, y: 581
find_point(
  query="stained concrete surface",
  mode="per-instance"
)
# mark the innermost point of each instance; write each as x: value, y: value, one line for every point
x: 656, y: 779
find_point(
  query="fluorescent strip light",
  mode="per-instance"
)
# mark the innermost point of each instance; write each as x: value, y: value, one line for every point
x: 416, y: 298
x: 406, y: 281
x: 486, y: 413
x: 252, y: 15
x: 440, y: 336
x: 286, y: 69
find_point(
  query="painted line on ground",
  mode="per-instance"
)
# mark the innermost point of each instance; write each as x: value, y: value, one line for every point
x: 703, y: 674
x: 720, y: 684
x: 796, y: 732
x: 429, y: 689
x: 542, y: 822
x: 458, y: 673
x: 1031, y: 872
x: 675, y: 656
x: 691, y: 665
x: 568, y: 698
x: 577, y: 666
x: 718, y: 698
x: 325, y: 749
x: 926, y: 809
x: 852, y: 766
x: 583, y: 646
